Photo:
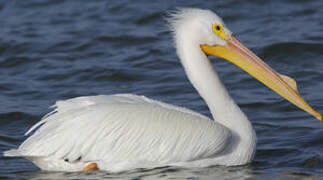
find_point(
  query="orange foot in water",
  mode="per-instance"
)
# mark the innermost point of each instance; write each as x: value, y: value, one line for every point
x: 91, y: 167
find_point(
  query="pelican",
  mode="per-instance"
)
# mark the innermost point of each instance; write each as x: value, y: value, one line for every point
x: 125, y: 131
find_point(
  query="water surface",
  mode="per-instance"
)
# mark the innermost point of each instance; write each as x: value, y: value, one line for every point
x: 57, y: 49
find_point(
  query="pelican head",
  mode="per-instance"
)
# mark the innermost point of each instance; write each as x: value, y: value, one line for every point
x: 203, y: 29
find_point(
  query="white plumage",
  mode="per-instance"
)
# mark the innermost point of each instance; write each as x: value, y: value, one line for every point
x: 121, y: 132
x: 125, y: 131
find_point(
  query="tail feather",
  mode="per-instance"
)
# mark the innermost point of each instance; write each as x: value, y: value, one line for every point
x: 12, y: 153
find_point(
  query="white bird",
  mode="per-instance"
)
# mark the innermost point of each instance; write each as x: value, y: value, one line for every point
x: 125, y: 131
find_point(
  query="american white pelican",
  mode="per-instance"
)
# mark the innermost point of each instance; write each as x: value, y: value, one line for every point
x: 125, y: 131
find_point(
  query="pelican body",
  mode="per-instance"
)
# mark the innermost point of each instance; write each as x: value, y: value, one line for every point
x: 125, y: 131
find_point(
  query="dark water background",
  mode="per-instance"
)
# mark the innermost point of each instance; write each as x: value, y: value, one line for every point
x: 55, y: 49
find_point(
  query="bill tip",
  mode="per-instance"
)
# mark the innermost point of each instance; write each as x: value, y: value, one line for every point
x: 319, y: 116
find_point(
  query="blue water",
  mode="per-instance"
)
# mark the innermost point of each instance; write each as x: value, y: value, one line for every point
x: 57, y: 49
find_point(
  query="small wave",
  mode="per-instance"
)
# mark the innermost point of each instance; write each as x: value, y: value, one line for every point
x: 126, y: 38
x: 14, y: 116
x: 303, y: 12
x: 43, y: 3
x: 293, y: 47
x: 111, y: 75
x: 16, y: 61
x: 1, y: 7
x: 57, y: 76
x: 149, y: 18
x: 14, y: 48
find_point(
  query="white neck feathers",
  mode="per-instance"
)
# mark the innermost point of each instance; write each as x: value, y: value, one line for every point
x: 204, y: 78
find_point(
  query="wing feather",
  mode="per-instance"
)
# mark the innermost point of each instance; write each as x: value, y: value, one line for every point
x: 124, y: 129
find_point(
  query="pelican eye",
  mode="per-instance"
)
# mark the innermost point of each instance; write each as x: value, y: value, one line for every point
x: 219, y: 30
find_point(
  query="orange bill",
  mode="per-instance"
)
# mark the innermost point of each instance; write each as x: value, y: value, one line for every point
x: 235, y: 52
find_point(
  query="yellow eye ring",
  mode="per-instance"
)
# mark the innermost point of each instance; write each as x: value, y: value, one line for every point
x: 218, y: 30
